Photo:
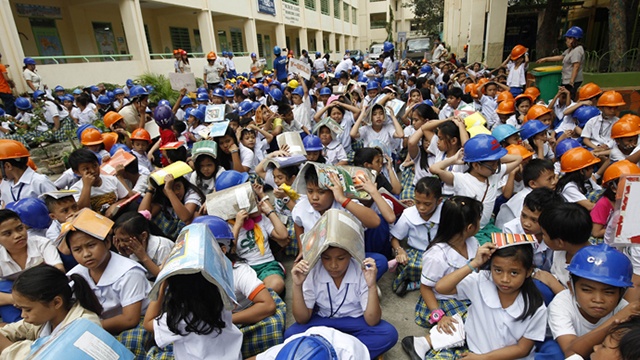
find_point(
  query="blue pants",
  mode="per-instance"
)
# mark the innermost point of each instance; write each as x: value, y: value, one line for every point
x: 381, y: 263
x: 378, y: 339
x: 9, y: 313
x: 548, y: 350
x: 377, y: 239
x: 515, y: 91
x: 546, y: 292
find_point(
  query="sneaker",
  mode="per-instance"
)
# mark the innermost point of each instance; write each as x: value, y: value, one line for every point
x: 402, y: 289
x: 407, y: 346
x: 393, y: 265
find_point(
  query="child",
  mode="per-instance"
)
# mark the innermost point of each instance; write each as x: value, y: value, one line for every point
x: 91, y: 139
x: 488, y: 163
x: 205, y: 164
x: 580, y: 319
x: 566, y: 229
x: 577, y: 165
x: 487, y: 96
x: 247, y: 139
x: 133, y: 238
x: 506, y: 111
x: 313, y: 146
x: 19, y: 180
x: 61, y: 207
x: 507, y: 135
x: 343, y: 114
x: 503, y: 298
x: 333, y: 151
x: 231, y: 156
x: 516, y: 64
x: 302, y: 104
x: 424, y: 216
x: 49, y: 302
x: 624, y: 133
x: 119, y: 283
x: 140, y: 141
x: 326, y: 286
x: 454, y: 102
x: 620, y: 343
x: 597, y: 132
x: 195, y: 125
x: 373, y: 159
x: 386, y: 133
x: 450, y: 250
x: 97, y: 191
x: 132, y: 177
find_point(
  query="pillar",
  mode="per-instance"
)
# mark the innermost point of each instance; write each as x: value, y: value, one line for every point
x: 476, y: 30
x: 281, y: 37
x: 341, y: 43
x: 319, y: 42
x: 10, y: 46
x: 250, y: 35
x: 496, y: 23
x: 332, y: 43
x: 304, y: 41
x: 207, y: 31
x: 134, y: 31
x: 350, y: 43
x: 464, y: 29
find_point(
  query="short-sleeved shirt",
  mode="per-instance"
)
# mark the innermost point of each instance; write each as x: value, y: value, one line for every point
x: 108, y: 193
x: 123, y: 283
x: 350, y: 300
x: 280, y: 66
x: 598, y: 130
x: 247, y: 248
x: 334, y: 152
x: 441, y: 156
x: 559, y: 267
x: 512, y: 208
x: 419, y: 171
x: 489, y: 106
x: 441, y: 260
x: 158, y: 249
x: 385, y: 135
x: 570, y: 57
x: 30, y: 185
x: 602, y: 211
x: 39, y: 250
x: 212, y: 72
x: 247, y: 285
x: 486, y: 192
x: 305, y: 216
x: 486, y: 312
x: 571, y: 193
x: 418, y: 232
x: 4, y: 85
x: 33, y: 77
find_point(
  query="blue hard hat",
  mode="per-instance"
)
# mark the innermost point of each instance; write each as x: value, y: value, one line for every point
x: 372, y: 85
x: 386, y: 83
x: 312, y: 143
x: 276, y: 50
x: 164, y: 102
x: 202, y: 90
x: 426, y: 69
x: 250, y: 89
x: 94, y: 88
x: 574, y: 32
x: 298, y: 91
x: 255, y: 105
x: 584, y: 113
x: 502, y: 132
x: 428, y: 102
x: 61, y: 98
x: 33, y: 212
x: 129, y: 83
x: 111, y: 95
x: 325, y: 91
x: 188, y: 112
x: 104, y: 100
x: 22, y: 103
x: 483, y: 147
x: 275, y: 83
x: 283, y: 86
x: 58, y: 88
x: 276, y: 94
x: 117, y: 147
x: 229, y: 93
x: 318, y: 54
x: 230, y: 178
x: 198, y: 114
x: 309, y: 347
x: 603, y: 264
x: 68, y: 97
x: 259, y: 86
x: 531, y: 128
x: 202, y: 97
x: 77, y: 91
x: 387, y: 46
x: 220, y: 229
x: 566, y: 145
x: 253, y: 55
x: 138, y: 90
x: 29, y: 61
x: 244, y: 108
x: 378, y: 64
x: 118, y: 91
x: 163, y: 116
x: 218, y: 92
x: 355, y: 71
x: 149, y: 88
x: 37, y: 94
x: 186, y: 101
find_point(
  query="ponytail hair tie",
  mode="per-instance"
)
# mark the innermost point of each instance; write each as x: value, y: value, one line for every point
x: 71, y: 282
x: 145, y: 213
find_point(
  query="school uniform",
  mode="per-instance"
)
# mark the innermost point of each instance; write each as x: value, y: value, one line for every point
x: 486, y: 191
x: 385, y: 135
x: 207, y: 186
x: 343, y: 308
x: 571, y: 193
x: 512, y: 208
x: 248, y: 157
x: 346, y: 346
x: 516, y: 79
x: 254, y: 247
x: 140, y: 186
x: 440, y: 155
x: 30, y: 185
x: 447, y: 110
x: 102, y: 197
x: 486, y: 312
x: 346, y: 124
x: 334, y: 152
x: 143, y: 162
x: 302, y: 112
x: 196, y: 131
x: 54, y: 230
x: 598, y: 130
x: 158, y: 249
x: 559, y: 267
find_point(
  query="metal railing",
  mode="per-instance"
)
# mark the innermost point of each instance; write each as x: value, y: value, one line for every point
x: 58, y: 59
x: 601, y: 62
x: 156, y: 56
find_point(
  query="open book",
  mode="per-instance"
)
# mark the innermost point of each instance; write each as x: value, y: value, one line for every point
x: 336, y: 228
x: 349, y: 176
x: 177, y: 169
x: 228, y: 202
x: 121, y: 157
x: 284, y: 161
x: 293, y: 140
x: 87, y: 221
x: 197, y: 251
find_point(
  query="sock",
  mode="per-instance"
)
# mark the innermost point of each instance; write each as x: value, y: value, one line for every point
x: 414, y: 285
x: 421, y: 345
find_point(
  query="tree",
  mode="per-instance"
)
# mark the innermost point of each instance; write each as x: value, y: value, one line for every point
x: 617, y: 34
x: 546, y: 40
x: 389, y: 25
x: 428, y: 13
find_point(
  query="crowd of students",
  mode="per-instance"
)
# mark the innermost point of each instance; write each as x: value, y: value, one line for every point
x: 468, y: 153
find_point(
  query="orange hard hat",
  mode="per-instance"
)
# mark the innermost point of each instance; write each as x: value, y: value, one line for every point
x: 536, y: 111
x: 524, y: 96
x: 11, y: 149
x: 633, y: 118
x: 176, y: 51
x: 32, y: 165
x: 109, y: 140
x: 471, y: 90
x: 483, y: 81
x: 577, y: 159
x: 366, y: 65
x: 619, y: 168
x: 140, y: 134
x: 518, y: 51
x: 91, y: 136
x: 111, y: 118
x: 611, y: 98
x: 515, y: 149
x: 504, y: 95
x: 589, y: 90
x: 532, y: 91
x: 624, y: 128
x: 506, y: 107
x: 211, y: 55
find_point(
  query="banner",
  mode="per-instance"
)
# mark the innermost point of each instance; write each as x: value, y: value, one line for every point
x: 185, y: 80
x: 300, y: 67
x: 267, y: 7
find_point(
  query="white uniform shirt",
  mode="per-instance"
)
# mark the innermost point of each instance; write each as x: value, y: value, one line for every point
x: 571, y: 193
x: 440, y: 155
x: 39, y: 250
x: 158, y: 249
x: 441, y: 260
x: 512, y: 208
x: 30, y: 185
x: 247, y: 248
x: 247, y: 285
x: 418, y: 232
x: 110, y: 184
x: 34, y: 78
x: 559, y: 267
x: 334, y: 152
x: 486, y: 192
x: 598, y: 130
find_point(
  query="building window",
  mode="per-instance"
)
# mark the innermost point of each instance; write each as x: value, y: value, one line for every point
x: 353, y: 15
x: 336, y: 9
x: 324, y: 7
x: 146, y: 35
x: 337, y: 45
x: 295, y: 2
x: 223, y: 45
x: 377, y: 20
x: 310, y: 4
x: 313, y: 46
x: 345, y: 10
x: 414, y: 25
x: 180, y: 38
x: 260, y: 49
x: 267, y: 46
x: 237, y: 45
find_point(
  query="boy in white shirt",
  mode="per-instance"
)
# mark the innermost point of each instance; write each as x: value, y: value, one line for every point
x: 20, y: 181
x: 454, y: 102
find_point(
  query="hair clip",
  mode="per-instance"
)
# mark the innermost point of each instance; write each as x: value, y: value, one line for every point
x: 462, y: 203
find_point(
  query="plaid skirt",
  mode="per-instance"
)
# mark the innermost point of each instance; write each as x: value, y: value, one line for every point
x: 136, y: 340
x: 292, y: 248
x: 169, y: 226
x: 595, y: 195
x: 156, y: 353
x: 20, y: 138
x: 406, y: 180
x: 450, y: 307
x: 66, y: 131
x: 410, y: 272
x: 266, y: 333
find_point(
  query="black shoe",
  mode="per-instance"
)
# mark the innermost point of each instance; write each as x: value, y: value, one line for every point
x: 407, y: 346
x: 401, y: 290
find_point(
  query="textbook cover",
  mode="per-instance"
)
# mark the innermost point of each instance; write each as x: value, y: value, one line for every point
x: 121, y: 157
x: 333, y: 126
x: 87, y: 221
x: 197, y: 251
x: 502, y: 240
x: 59, y: 194
x: 227, y: 203
x: 624, y: 228
x: 349, y: 176
x: 336, y: 228
x: 284, y: 161
x: 177, y: 169
x: 172, y: 145
x: 81, y: 339
x: 214, y: 113
x: 293, y: 140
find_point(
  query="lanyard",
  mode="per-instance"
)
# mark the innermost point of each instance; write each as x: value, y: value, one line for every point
x: 429, y: 227
x: 331, y: 302
x: 19, y: 192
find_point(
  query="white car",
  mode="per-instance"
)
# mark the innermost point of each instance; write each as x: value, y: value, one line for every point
x: 374, y: 53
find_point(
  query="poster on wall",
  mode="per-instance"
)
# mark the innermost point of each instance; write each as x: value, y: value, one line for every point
x: 48, y: 42
x: 267, y: 7
x: 39, y: 11
x: 105, y: 40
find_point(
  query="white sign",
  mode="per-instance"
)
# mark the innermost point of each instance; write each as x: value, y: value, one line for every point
x: 291, y: 12
x: 402, y: 36
x: 300, y: 67
x: 185, y: 80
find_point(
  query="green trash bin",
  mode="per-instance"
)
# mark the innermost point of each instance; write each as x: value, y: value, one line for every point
x: 548, y: 78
